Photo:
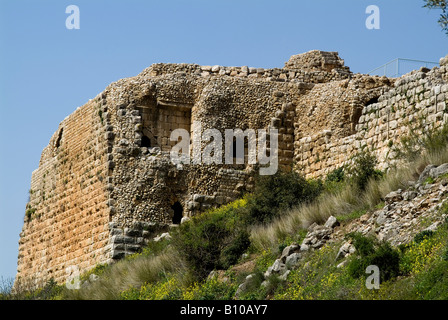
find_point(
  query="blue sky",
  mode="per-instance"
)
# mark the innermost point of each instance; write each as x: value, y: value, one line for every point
x: 47, y: 71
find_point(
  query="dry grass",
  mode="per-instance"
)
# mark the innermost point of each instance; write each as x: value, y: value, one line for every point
x: 131, y: 273
x: 267, y: 237
x: 343, y: 202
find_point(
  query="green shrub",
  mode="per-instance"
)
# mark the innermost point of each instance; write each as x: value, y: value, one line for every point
x: 335, y: 180
x: 277, y: 193
x: 167, y: 288
x: 357, y: 267
x: 265, y: 260
x: 388, y: 261
x: 98, y: 270
x: 435, y: 140
x: 419, y: 237
x: 6, y: 285
x: 364, y: 246
x: 369, y: 252
x: 213, y: 240
x: 336, y: 175
x: 213, y: 288
x: 426, y: 247
x: 50, y: 291
x: 231, y: 254
x: 363, y: 169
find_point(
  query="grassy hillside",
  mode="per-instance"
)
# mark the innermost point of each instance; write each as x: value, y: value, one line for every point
x: 213, y: 254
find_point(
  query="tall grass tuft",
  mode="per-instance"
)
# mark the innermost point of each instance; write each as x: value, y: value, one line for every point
x: 131, y: 273
x: 266, y: 237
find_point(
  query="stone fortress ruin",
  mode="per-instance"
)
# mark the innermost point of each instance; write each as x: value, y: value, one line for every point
x: 105, y: 184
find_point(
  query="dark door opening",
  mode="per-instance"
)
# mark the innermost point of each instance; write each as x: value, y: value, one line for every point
x: 146, y: 142
x: 178, y: 212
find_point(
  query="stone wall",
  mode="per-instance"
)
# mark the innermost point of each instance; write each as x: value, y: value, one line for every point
x: 66, y: 219
x: 311, y: 67
x: 106, y: 186
x: 144, y: 184
x: 417, y: 101
x: 327, y: 119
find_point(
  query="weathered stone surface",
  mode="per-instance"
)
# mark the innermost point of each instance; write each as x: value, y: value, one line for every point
x: 278, y: 268
x: 184, y: 219
x: 243, y: 286
x: 409, y: 195
x: 163, y: 236
x: 382, y: 217
x: 292, y: 260
x: 331, y: 222
x: 316, y: 60
x: 392, y: 197
x: 425, y: 173
x: 284, y: 276
x: 287, y: 251
x: 316, y: 237
x: 438, y: 171
x: 346, y: 249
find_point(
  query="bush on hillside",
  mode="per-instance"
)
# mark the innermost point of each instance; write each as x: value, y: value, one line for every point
x: 213, y: 240
x: 422, y: 235
x: 369, y: 252
x: 363, y: 169
x: 334, y: 180
x: 277, y: 193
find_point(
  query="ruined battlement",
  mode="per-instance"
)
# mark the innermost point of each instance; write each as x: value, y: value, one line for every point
x: 311, y: 67
x: 105, y: 185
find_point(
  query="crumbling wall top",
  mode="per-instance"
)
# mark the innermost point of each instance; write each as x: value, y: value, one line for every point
x: 316, y: 60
